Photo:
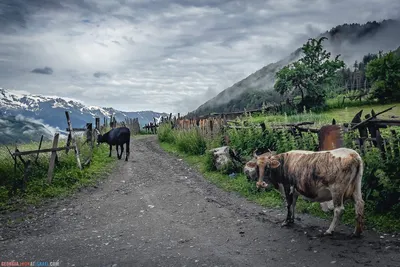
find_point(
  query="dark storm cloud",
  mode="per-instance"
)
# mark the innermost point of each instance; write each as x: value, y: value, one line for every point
x: 165, y: 55
x: 100, y: 74
x: 45, y: 70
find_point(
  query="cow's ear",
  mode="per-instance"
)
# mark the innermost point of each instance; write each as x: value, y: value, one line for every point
x: 274, y: 164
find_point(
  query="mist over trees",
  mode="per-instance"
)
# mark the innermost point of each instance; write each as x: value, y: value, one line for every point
x: 350, y: 78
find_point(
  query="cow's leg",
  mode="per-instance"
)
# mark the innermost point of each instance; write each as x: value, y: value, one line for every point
x: 283, y: 195
x: 337, y: 210
x: 359, y: 208
x: 127, y: 151
x: 110, y: 150
x: 122, y: 151
x: 289, y: 202
x: 116, y: 147
x: 295, y: 197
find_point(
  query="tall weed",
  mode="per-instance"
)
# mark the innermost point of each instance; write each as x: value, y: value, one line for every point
x: 67, y: 176
x: 165, y: 133
x: 190, y: 142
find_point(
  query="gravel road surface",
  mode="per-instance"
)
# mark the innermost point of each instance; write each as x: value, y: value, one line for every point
x: 154, y: 210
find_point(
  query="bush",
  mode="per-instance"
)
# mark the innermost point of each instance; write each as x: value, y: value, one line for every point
x: 209, y: 161
x: 245, y: 141
x: 190, y: 142
x: 380, y: 184
x: 165, y: 133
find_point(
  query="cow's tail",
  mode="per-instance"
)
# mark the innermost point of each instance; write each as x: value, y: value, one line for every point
x: 357, y: 197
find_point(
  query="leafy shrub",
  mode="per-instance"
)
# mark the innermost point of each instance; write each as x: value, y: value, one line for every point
x: 380, y: 184
x: 190, y: 142
x: 209, y: 161
x: 165, y: 133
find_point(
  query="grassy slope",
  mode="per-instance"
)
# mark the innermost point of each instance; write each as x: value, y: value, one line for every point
x: 67, y: 176
x: 341, y: 115
x: 272, y: 199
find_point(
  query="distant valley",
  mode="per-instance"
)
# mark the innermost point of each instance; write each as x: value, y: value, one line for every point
x: 27, y: 115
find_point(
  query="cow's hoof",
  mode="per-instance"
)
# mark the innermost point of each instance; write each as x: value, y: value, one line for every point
x: 328, y: 233
x: 286, y: 223
x: 355, y: 235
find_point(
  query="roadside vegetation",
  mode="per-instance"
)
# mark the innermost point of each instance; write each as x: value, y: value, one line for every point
x: 315, y: 85
x: 66, y: 180
x: 380, y: 181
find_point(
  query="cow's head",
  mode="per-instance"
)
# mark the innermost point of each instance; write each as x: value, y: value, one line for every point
x: 99, y: 137
x: 251, y: 169
x: 266, y: 163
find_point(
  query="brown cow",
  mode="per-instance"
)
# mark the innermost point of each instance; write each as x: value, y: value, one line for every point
x: 251, y: 171
x: 318, y: 176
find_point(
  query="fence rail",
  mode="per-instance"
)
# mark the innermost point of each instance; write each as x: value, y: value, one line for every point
x: 329, y: 136
x: 89, y: 132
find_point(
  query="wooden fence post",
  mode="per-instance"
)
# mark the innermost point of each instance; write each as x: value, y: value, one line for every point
x: 97, y: 124
x: 53, y: 158
x: 71, y: 134
x: 89, y: 134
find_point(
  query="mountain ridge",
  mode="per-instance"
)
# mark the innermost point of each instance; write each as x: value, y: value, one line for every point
x: 345, y: 39
x: 51, y: 110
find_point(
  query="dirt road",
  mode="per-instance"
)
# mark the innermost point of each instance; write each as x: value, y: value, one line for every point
x: 156, y: 211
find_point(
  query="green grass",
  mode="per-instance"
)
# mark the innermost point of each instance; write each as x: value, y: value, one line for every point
x: 341, y: 115
x: 272, y: 199
x: 66, y: 180
x: 346, y: 114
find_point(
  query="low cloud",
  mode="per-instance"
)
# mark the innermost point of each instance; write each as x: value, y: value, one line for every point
x: 100, y: 74
x: 22, y: 129
x: 45, y: 70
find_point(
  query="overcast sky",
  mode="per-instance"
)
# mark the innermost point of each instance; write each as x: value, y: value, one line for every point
x: 158, y: 55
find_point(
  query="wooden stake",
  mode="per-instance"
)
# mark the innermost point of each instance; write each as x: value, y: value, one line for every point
x: 73, y: 141
x: 53, y: 158
x: 40, y: 145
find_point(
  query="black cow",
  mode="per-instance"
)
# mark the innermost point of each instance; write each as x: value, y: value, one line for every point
x: 118, y: 137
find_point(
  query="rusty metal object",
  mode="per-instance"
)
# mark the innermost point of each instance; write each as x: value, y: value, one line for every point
x: 330, y: 137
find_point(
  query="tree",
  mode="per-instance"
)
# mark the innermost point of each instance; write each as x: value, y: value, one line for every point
x: 355, y: 66
x: 310, y: 75
x: 384, y: 74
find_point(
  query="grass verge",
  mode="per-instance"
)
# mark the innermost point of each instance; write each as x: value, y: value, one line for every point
x: 272, y: 199
x: 67, y: 177
x: 341, y: 114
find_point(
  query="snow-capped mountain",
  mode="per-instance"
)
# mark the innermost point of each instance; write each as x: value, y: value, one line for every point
x: 51, y: 110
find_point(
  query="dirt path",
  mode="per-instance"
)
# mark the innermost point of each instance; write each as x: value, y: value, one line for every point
x: 156, y: 211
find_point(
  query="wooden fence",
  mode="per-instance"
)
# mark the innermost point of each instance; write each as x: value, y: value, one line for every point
x: 71, y: 144
x: 131, y: 123
x: 90, y: 134
x: 329, y: 136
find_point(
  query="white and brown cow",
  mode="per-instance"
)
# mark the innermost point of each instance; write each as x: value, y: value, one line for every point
x: 251, y: 171
x: 318, y: 176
